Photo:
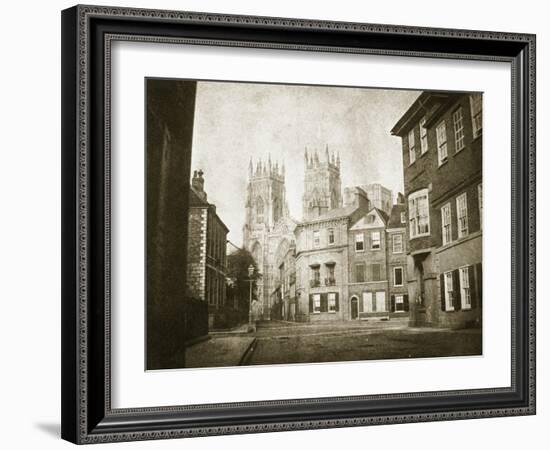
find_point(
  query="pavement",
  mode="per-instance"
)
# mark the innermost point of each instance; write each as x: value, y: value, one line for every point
x: 223, y: 351
x: 280, y: 342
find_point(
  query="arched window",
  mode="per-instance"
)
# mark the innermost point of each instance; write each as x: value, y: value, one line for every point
x: 259, y: 210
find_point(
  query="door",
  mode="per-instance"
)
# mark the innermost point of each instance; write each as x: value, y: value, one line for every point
x: 381, y: 301
x: 354, y: 308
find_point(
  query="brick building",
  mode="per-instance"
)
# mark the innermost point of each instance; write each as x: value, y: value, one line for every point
x: 207, y: 250
x: 442, y: 154
x: 396, y: 257
x: 367, y: 268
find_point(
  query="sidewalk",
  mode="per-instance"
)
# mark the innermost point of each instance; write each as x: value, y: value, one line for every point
x: 219, y: 351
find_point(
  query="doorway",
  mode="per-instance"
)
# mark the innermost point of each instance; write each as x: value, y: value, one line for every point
x: 354, y: 308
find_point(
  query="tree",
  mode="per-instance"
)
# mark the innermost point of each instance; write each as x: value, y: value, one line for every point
x: 238, y: 263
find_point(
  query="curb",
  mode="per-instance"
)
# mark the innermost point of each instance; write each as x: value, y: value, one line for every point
x: 248, y: 353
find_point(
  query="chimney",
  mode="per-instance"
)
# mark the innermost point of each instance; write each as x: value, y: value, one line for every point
x: 355, y: 196
x: 198, y: 184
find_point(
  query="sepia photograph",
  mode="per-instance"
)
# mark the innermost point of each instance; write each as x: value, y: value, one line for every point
x: 294, y: 224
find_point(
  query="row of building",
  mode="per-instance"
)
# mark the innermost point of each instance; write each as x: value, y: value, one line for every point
x: 346, y: 258
x: 357, y: 254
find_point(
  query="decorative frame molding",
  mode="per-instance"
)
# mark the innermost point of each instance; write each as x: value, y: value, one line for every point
x: 87, y: 34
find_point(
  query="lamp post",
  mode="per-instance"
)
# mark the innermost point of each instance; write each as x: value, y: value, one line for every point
x: 250, y: 273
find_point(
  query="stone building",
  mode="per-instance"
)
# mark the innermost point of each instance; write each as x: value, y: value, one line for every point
x: 268, y: 234
x: 207, y: 247
x: 379, y: 196
x: 322, y: 184
x: 322, y: 240
x: 441, y: 141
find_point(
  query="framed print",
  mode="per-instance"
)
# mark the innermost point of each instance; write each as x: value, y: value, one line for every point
x: 282, y: 224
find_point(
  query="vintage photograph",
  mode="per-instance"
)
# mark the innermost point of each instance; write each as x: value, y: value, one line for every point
x: 307, y: 224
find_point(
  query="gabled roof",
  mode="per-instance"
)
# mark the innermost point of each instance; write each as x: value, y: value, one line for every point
x: 362, y: 223
x: 395, y: 216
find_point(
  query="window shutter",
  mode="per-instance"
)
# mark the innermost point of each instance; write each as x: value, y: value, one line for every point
x: 324, y: 303
x: 310, y: 303
x: 392, y: 303
x: 442, y: 288
x: 406, y: 302
x: 473, y: 291
x: 479, y: 284
x: 456, y: 290
x: 337, y: 302
x: 367, y: 242
x: 360, y: 303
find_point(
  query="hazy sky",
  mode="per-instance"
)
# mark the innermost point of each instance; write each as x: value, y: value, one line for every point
x: 236, y: 121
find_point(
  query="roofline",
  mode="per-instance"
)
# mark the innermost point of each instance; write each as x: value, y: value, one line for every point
x: 418, y: 107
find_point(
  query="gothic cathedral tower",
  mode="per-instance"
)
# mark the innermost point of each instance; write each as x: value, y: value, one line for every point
x: 265, y: 207
x: 322, y: 184
x: 265, y: 199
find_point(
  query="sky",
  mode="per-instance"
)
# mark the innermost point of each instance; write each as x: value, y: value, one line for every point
x: 238, y: 121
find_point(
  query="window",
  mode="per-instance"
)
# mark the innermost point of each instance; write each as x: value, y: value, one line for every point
x: 480, y: 203
x: 419, y: 219
x: 412, y: 150
x: 465, y: 294
x: 375, y: 240
x: 475, y: 106
x: 458, y: 125
x: 441, y: 134
x: 380, y: 301
x: 359, y: 242
x: 359, y: 273
x: 259, y: 210
x: 375, y: 272
x: 397, y: 243
x: 399, y: 303
x: 316, y: 238
x: 316, y: 303
x: 398, y: 276
x: 331, y: 302
x: 403, y: 218
x: 315, y: 276
x: 462, y: 215
x: 331, y: 280
x: 449, y: 291
x: 330, y: 236
x: 446, y: 231
x: 423, y: 136
x: 367, y: 302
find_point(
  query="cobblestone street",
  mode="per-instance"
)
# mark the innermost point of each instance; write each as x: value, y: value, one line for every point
x: 279, y: 342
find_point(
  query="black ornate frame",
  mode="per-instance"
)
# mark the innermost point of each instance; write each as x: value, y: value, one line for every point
x: 87, y: 416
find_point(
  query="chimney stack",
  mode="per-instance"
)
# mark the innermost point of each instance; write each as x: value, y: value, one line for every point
x: 198, y: 183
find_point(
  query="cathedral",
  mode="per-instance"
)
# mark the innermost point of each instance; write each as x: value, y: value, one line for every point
x: 269, y: 230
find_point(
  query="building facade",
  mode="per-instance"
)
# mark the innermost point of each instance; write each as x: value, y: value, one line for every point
x: 207, y: 247
x: 396, y: 257
x: 367, y: 268
x: 322, y: 184
x: 268, y: 234
x: 442, y: 155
